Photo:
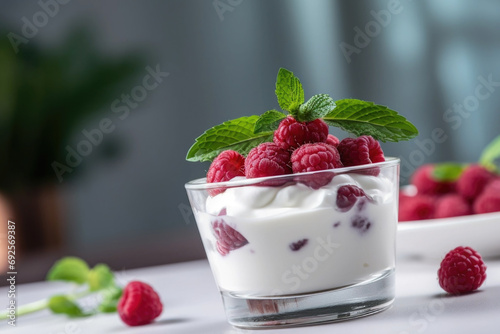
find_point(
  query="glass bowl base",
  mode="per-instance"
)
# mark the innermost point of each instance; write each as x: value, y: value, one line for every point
x: 340, y: 304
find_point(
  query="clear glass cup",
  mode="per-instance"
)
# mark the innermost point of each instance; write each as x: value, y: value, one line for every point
x: 297, y: 249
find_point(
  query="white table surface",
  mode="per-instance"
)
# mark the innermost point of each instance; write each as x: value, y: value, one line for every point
x: 192, y: 305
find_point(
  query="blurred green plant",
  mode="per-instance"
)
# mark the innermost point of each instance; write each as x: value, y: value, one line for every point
x: 45, y: 94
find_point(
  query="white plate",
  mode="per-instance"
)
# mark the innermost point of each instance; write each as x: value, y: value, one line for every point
x: 434, y: 238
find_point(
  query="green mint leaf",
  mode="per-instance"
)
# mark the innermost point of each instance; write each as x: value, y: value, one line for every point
x: 447, y: 172
x: 100, y: 277
x: 237, y: 134
x: 71, y: 269
x: 316, y: 107
x: 289, y: 91
x: 268, y: 121
x: 490, y: 156
x: 366, y: 118
x: 110, y: 298
x: 63, y: 305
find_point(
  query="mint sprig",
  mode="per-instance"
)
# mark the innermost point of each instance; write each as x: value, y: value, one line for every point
x: 367, y: 118
x: 268, y: 121
x: 237, y: 134
x: 354, y: 116
x: 289, y: 91
x: 96, y: 281
x: 69, y: 269
x: 62, y: 304
x: 316, y: 107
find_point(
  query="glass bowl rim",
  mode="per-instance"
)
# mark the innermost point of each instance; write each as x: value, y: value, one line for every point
x: 201, y: 184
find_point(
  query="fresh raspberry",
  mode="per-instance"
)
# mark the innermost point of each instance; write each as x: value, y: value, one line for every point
x: 267, y: 159
x: 403, y: 197
x: 347, y: 196
x: 360, y: 151
x: 315, y: 157
x: 462, y: 270
x: 139, y: 304
x: 332, y: 140
x: 228, y: 238
x: 452, y: 205
x: 227, y: 165
x: 473, y: 180
x: 417, y: 207
x: 489, y: 200
x: 493, y: 186
x: 423, y: 179
x: 292, y: 133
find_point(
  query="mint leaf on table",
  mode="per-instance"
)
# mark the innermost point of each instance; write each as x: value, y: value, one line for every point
x: 448, y: 172
x: 490, y: 156
x: 70, y: 269
x: 63, y: 305
x: 366, y: 118
x: 110, y: 299
x: 237, y: 134
x: 289, y: 91
x: 100, y: 277
x: 268, y: 121
x: 98, y: 281
x: 316, y: 107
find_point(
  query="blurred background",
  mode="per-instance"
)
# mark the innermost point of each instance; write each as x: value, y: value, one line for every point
x: 100, y: 101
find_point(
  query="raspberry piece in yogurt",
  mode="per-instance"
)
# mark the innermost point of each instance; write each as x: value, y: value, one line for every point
x: 228, y: 239
x: 347, y: 196
x: 295, y: 246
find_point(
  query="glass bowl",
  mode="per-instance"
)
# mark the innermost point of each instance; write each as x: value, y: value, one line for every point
x: 302, y: 248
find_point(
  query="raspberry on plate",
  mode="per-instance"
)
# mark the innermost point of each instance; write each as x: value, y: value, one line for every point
x: 228, y: 238
x: 473, y: 180
x: 315, y: 157
x: 267, y: 159
x: 360, y: 151
x: 417, y: 207
x: 292, y: 133
x: 332, y: 140
x: 139, y: 304
x: 227, y: 165
x: 461, y: 271
x: 423, y: 179
x: 488, y: 201
x: 452, y: 205
x: 347, y: 196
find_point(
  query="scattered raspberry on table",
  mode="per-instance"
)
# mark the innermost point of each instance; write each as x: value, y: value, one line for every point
x: 139, y: 304
x: 461, y: 271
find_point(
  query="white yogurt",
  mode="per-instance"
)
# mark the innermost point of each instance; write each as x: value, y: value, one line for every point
x: 342, y: 248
